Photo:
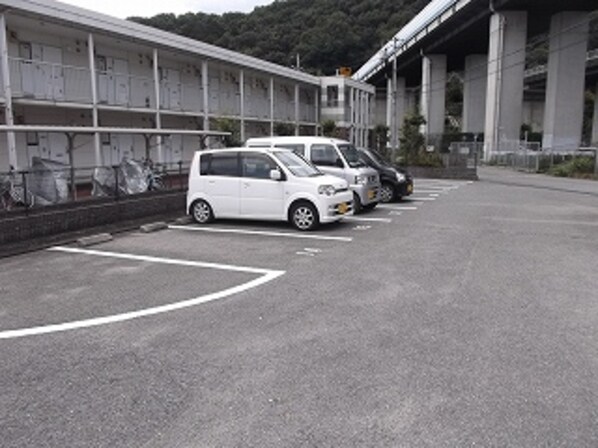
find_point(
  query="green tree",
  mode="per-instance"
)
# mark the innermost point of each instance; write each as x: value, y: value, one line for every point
x: 282, y: 129
x: 329, y: 128
x: 232, y: 126
x: 381, y: 137
x: 325, y: 33
x: 411, y: 138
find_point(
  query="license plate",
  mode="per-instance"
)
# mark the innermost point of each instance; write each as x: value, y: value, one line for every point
x: 342, y: 208
x: 371, y: 194
x: 410, y: 188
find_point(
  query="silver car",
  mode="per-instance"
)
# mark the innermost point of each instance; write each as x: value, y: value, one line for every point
x: 332, y: 156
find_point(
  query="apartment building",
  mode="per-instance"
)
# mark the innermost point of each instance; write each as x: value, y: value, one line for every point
x: 350, y: 104
x: 61, y: 65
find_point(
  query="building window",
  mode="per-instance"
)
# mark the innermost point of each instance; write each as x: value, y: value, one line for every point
x: 332, y: 96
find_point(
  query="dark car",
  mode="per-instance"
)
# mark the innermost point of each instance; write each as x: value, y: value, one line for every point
x: 396, y: 182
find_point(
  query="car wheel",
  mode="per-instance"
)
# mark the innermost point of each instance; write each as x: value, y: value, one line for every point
x: 304, y: 216
x: 357, y: 206
x: 202, y: 212
x: 387, y: 193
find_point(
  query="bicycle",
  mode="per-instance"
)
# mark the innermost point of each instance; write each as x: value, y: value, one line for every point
x: 153, y: 177
x: 13, y: 193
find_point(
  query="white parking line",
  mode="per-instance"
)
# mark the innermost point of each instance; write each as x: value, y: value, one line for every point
x: 437, y: 186
x: 263, y: 233
x: 315, y: 251
x: 396, y: 207
x: 428, y: 188
x: 434, y: 195
x: 422, y: 199
x: 358, y: 218
x: 266, y: 276
x: 309, y: 254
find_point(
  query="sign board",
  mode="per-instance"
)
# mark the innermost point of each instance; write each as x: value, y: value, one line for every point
x: 345, y: 71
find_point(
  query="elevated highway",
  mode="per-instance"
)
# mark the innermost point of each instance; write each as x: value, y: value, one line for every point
x: 487, y: 40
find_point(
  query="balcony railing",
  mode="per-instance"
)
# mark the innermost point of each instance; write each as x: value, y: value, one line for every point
x: 59, y: 83
x: 46, y: 81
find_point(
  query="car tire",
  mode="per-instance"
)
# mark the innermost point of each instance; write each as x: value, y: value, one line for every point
x: 370, y: 206
x: 357, y: 205
x: 387, y: 193
x: 304, y: 216
x: 202, y: 212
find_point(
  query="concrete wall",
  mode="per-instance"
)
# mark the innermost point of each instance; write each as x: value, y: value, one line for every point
x: 533, y: 114
x: 49, y: 221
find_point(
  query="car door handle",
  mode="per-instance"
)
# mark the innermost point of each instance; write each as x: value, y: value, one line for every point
x: 246, y: 184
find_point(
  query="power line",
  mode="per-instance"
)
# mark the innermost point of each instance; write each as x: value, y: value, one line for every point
x: 504, y: 56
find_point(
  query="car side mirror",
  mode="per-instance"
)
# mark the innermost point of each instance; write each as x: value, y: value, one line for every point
x: 275, y: 175
x: 339, y: 163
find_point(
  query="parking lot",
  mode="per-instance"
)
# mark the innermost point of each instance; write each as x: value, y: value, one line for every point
x: 403, y: 324
x: 138, y: 274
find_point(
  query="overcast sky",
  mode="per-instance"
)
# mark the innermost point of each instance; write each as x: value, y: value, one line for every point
x: 147, y: 8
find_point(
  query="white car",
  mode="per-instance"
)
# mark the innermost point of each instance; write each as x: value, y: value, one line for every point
x: 264, y: 184
x: 335, y: 157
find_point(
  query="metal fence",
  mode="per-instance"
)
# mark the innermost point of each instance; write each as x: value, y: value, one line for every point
x: 585, y: 159
x: 465, y: 154
x: 48, y: 183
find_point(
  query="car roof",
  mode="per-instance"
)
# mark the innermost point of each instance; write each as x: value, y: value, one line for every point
x: 242, y: 149
x: 296, y: 139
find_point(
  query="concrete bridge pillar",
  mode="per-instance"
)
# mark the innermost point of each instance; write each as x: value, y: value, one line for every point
x: 433, y: 93
x: 595, y: 121
x: 397, y: 113
x: 474, y: 93
x: 411, y: 97
x: 563, y: 116
x: 506, y: 66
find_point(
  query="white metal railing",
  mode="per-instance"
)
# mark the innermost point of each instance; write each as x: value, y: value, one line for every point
x: 62, y: 83
x: 45, y: 81
x: 48, y: 81
x: 125, y: 90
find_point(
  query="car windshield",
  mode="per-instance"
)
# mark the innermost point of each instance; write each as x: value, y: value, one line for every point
x: 351, y: 155
x: 297, y: 164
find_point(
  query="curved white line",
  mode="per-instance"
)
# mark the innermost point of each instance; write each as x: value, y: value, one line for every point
x: 268, y: 275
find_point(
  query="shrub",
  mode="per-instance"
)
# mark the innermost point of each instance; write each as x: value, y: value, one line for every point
x: 577, y: 166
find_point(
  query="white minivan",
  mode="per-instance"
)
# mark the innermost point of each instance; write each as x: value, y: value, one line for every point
x: 332, y: 156
x: 264, y: 184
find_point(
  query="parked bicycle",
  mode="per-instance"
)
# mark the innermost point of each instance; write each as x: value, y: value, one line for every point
x: 13, y: 193
x: 154, y: 178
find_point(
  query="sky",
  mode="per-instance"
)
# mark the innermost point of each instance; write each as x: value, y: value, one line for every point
x: 148, y: 8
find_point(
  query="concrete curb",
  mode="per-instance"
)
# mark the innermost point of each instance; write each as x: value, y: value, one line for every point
x: 153, y: 227
x: 184, y: 220
x: 94, y: 239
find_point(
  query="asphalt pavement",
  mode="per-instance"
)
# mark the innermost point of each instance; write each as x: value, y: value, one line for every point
x: 465, y: 316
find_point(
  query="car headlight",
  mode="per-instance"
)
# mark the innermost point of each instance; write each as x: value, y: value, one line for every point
x: 328, y: 190
x: 401, y: 177
x: 361, y: 179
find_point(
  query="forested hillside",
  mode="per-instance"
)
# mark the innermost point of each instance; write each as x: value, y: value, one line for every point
x: 325, y: 33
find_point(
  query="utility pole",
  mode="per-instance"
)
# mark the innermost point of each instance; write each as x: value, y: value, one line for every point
x: 393, y: 113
